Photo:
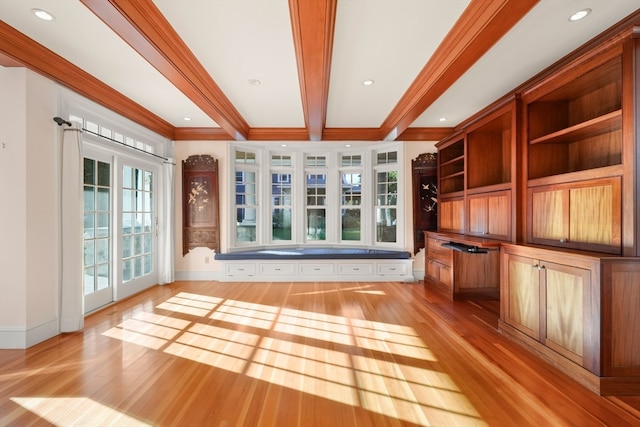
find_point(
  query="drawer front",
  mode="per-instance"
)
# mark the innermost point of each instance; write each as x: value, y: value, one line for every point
x: 391, y: 269
x: 241, y: 269
x: 277, y: 269
x: 311, y: 269
x: 438, y: 253
x: 355, y: 269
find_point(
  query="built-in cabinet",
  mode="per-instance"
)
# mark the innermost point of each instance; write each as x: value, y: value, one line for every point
x: 462, y: 274
x: 575, y: 309
x: 582, y: 215
x: 475, y: 202
x: 490, y: 215
x: 551, y: 174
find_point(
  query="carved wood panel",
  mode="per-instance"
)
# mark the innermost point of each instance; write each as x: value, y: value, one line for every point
x: 425, y: 207
x: 200, y: 203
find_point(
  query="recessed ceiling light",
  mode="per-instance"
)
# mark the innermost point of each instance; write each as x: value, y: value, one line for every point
x: 368, y: 82
x: 348, y: 145
x: 442, y: 119
x: 254, y: 82
x: 579, y: 15
x: 43, y: 14
x: 283, y: 145
x: 187, y: 119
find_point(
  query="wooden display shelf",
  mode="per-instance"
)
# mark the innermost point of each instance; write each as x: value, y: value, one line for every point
x: 600, y: 125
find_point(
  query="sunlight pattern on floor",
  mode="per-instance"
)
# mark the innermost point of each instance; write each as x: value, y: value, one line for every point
x: 344, y: 359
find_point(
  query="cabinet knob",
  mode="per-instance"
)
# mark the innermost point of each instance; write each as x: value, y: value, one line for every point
x: 564, y: 240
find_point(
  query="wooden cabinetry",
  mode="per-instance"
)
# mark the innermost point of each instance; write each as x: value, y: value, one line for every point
x: 562, y: 306
x: 462, y: 274
x: 451, y: 215
x: 584, y: 215
x: 475, y: 174
x: 451, y: 165
x: 438, y: 262
x: 575, y: 163
x: 490, y: 215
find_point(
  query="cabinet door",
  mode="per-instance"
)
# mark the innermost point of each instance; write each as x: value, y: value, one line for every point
x: 585, y: 215
x: 451, y: 213
x: 548, y: 215
x: 490, y: 215
x: 566, y: 294
x: 595, y: 215
x: 520, y: 294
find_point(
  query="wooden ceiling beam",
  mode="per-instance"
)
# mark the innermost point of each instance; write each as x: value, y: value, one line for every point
x: 479, y: 27
x: 145, y: 29
x: 313, y: 25
x: 30, y: 54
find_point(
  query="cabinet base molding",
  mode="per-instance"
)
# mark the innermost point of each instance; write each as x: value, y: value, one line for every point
x: 319, y: 270
x: 475, y: 294
x: 604, y: 386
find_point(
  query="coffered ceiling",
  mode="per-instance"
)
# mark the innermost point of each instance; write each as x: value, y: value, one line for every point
x: 294, y: 70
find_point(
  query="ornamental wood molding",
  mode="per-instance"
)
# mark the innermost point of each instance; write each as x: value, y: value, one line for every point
x: 200, y: 203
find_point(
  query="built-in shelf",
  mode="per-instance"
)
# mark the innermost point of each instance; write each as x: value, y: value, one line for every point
x: 600, y: 125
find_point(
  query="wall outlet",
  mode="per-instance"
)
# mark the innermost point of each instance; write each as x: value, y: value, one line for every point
x: 206, y: 260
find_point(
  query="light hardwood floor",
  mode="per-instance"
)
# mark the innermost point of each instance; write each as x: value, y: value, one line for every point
x: 294, y: 354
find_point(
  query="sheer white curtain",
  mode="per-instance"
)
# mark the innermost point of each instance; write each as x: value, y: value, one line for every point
x: 166, y: 242
x: 71, y: 291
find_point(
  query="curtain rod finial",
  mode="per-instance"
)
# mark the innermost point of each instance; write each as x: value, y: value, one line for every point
x: 60, y: 121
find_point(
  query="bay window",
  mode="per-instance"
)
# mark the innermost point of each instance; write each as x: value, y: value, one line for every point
x: 317, y: 194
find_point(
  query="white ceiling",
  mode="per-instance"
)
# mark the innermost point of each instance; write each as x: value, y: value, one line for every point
x: 388, y: 41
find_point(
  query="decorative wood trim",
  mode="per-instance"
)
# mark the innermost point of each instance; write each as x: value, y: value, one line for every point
x: 479, y: 27
x: 313, y: 24
x: 425, y: 192
x: 141, y: 25
x: 352, y: 134
x: 200, y: 204
x: 38, y: 58
x: 278, y: 134
x: 201, y: 134
x: 425, y: 134
x: 7, y: 61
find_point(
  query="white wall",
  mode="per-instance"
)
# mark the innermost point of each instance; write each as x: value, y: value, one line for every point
x: 29, y: 220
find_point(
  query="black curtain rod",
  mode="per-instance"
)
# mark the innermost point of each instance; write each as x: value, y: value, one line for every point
x: 60, y: 121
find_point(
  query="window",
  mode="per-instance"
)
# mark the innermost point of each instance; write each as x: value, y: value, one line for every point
x: 246, y: 203
x: 306, y: 197
x: 386, y: 196
x: 316, y: 198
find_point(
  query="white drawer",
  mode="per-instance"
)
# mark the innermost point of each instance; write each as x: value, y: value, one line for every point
x: 241, y: 269
x: 391, y: 269
x: 355, y: 269
x: 309, y: 269
x: 277, y: 269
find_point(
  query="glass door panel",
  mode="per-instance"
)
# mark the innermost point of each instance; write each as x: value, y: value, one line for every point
x: 98, y: 283
x: 139, y: 229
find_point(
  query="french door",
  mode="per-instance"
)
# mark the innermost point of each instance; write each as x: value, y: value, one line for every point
x: 120, y: 227
x: 138, y: 228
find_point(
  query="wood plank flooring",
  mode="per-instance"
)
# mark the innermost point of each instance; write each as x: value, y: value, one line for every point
x: 294, y: 354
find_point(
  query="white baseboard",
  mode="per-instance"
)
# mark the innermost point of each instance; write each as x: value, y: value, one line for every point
x: 21, y: 338
x: 197, y: 275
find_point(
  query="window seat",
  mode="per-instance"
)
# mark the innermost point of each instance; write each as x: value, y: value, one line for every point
x: 316, y: 264
x: 313, y: 253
